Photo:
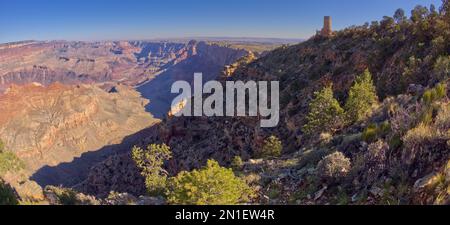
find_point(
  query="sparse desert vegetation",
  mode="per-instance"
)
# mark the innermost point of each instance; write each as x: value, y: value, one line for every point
x: 364, y: 120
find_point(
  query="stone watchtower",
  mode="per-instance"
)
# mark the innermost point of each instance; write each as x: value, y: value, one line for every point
x: 327, y: 30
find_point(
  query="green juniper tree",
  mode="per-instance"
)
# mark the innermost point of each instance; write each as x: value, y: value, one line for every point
x: 151, y: 162
x: 325, y: 113
x: 399, y: 16
x: 272, y: 147
x: 362, y: 98
x: 212, y: 185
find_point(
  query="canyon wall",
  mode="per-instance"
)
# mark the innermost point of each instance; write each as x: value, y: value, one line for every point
x: 85, y: 62
x: 80, y: 125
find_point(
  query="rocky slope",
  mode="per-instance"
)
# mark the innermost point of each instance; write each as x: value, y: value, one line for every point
x: 406, y: 164
x: 46, y: 127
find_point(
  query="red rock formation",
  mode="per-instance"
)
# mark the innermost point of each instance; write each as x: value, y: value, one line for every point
x: 79, y: 62
x: 47, y: 126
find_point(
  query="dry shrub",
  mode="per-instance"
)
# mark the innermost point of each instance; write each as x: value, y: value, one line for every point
x: 334, y: 166
x: 443, y: 117
x: 415, y: 140
x: 376, y: 160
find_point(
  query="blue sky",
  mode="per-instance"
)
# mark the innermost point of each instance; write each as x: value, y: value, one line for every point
x: 146, y: 19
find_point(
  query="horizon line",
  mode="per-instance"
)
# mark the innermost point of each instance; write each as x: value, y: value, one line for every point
x: 187, y: 38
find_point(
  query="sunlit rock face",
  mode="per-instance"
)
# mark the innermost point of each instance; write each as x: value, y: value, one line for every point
x: 48, y: 126
x: 121, y: 62
x: 150, y: 66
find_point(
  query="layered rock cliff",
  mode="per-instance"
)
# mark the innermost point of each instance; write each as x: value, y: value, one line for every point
x: 81, y: 125
x: 199, y: 58
x: 119, y: 62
